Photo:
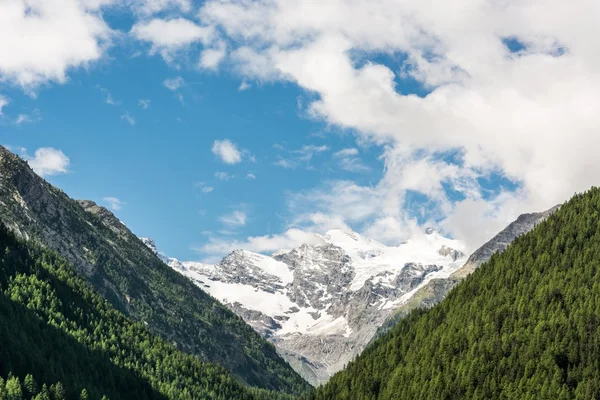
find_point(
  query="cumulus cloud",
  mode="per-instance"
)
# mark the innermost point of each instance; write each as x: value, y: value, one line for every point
x: 48, y: 161
x: 149, y: 7
x: 526, y: 115
x: 114, y: 203
x: 44, y: 44
x: 227, y: 151
x: 212, y: 57
x: 167, y: 37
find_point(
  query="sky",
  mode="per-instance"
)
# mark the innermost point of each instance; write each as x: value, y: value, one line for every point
x: 222, y: 124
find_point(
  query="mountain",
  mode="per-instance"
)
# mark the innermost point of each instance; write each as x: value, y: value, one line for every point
x: 437, y: 289
x: 525, y: 325
x: 137, y: 283
x: 321, y: 304
x: 62, y: 340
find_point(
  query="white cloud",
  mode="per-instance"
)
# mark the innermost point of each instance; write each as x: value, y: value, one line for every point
x: 223, y: 176
x: 48, y: 161
x: 149, y: 7
x: 244, y: 86
x: 108, y: 99
x: 234, y: 219
x: 114, y: 203
x: 4, y: 101
x: 144, y: 103
x: 227, y: 151
x: 212, y: 57
x: 41, y: 44
x: 261, y: 244
x: 348, y: 160
x: 174, y: 83
x: 346, y: 152
x: 250, y: 176
x: 22, y: 118
x: 207, y: 189
x: 299, y: 157
x: 167, y: 37
x: 128, y: 118
x: 528, y: 117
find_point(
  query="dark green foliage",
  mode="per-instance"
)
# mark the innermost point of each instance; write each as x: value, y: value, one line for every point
x: 62, y: 340
x: 126, y: 273
x: 526, y: 325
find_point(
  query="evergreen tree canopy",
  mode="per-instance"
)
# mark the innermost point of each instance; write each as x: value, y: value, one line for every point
x: 526, y: 325
x: 59, y: 339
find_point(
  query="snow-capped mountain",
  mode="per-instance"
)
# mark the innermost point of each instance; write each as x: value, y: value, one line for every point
x: 320, y: 304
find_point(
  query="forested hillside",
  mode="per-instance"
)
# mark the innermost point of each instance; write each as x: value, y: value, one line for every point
x: 126, y: 273
x: 59, y: 339
x: 525, y: 325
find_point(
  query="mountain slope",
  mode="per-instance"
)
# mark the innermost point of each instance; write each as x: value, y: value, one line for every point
x: 134, y: 280
x: 320, y: 304
x: 437, y: 289
x: 55, y: 327
x: 525, y: 325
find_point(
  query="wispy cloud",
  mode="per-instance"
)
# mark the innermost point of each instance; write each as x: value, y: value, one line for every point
x: 234, y: 219
x: 348, y: 160
x: 4, y: 101
x: 144, y: 103
x: 299, y: 157
x: 250, y: 176
x: 108, y: 98
x: 204, y: 188
x: 22, y: 118
x: 128, y: 118
x: 223, y: 176
x: 174, y: 83
x: 114, y: 203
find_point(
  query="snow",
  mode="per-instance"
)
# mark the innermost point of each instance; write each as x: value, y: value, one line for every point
x: 369, y: 259
x: 271, y: 266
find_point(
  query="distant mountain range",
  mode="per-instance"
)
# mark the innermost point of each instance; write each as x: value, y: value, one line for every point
x: 317, y: 306
x: 321, y: 304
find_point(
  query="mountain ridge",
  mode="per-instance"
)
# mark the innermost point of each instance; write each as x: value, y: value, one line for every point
x: 321, y: 303
x: 522, y: 326
x: 134, y: 280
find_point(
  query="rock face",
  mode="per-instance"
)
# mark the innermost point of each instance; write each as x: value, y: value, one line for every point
x: 437, y: 289
x: 134, y: 280
x: 320, y: 304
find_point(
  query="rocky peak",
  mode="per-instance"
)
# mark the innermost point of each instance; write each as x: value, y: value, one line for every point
x: 320, y: 303
x: 106, y: 217
x: 150, y: 244
x: 431, y: 231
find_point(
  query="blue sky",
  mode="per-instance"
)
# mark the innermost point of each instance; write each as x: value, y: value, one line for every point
x: 218, y: 124
x: 158, y: 166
